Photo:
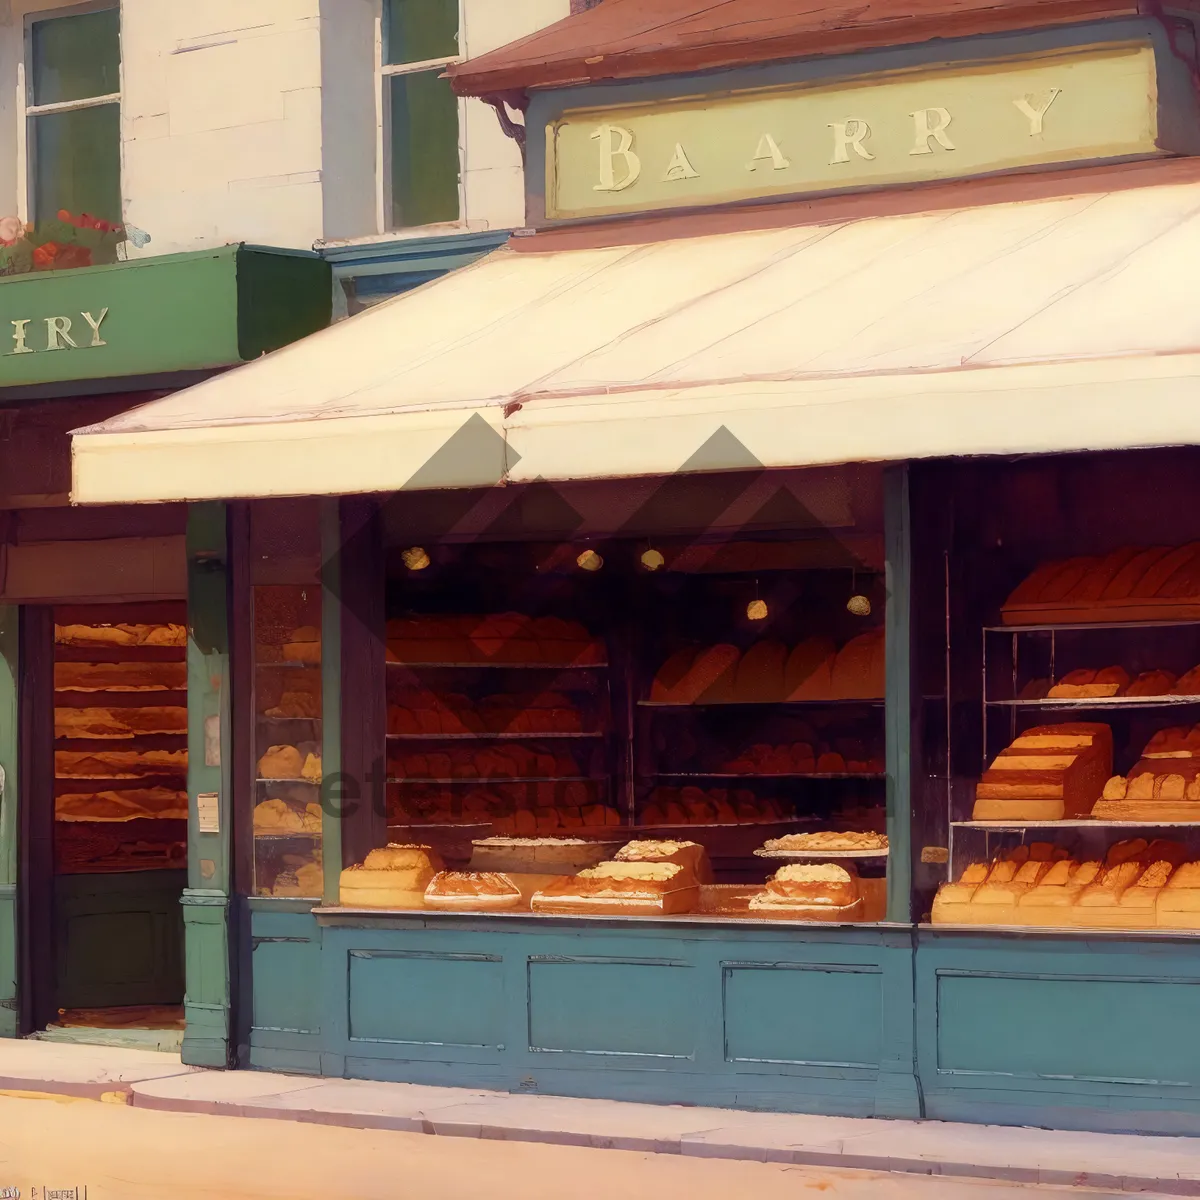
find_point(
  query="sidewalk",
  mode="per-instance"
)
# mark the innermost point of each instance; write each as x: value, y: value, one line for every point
x: 145, y: 1079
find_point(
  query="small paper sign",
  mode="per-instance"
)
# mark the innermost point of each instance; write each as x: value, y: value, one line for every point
x: 212, y: 741
x: 208, y: 812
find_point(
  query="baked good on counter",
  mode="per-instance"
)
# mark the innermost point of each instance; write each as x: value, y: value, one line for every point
x: 118, y: 764
x: 392, y: 876
x: 1130, y: 584
x: 622, y: 889
x: 1047, y: 773
x: 124, y: 804
x: 823, y: 842
x: 304, y: 882
x: 278, y: 816
x: 304, y: 646
x: 472, y: 891
x: 118, y: 723
x: 813, y: 892
x: 120, y: 677
x: 691, y: 856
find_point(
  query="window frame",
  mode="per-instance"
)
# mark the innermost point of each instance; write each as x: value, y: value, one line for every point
x: 28, y: 111
x: 384, y: 73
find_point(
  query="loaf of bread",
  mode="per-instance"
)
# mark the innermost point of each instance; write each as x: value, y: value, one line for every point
x: 808, y: 674
x: 277, y: 816
x: 120, y: 635
x: 858, y: 670
x: 1127, y: 584
x: 1047, y: 773
x: 120, y: 677
x: 1176, y: 742
x: 281, y: 762
x: 624, y: 888
x: 818, y: 891
x: 307, y: 881
x: 118, y: 723
x: 1088, y: 683
x: 760, y: 673
x: 304, y: 646
x: 828, y: 841
x: 671, y: 674
x: 125, y: 804
x: 1151, y: 683
x: 118, y: 764
x: 710, y: 678
x: 472, y: 891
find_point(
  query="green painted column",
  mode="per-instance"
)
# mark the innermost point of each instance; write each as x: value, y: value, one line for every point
x: 331, y: 698
x: 9, y: 674
x: 206, y: 901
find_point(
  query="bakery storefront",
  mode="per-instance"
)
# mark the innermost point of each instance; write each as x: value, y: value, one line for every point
x: 731, y: 652
x: 94, y: 682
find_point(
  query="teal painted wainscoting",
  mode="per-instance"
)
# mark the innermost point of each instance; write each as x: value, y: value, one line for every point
x: 753, y: 1017
x: 1093, y: 1031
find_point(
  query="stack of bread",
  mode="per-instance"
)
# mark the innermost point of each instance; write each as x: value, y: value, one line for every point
x: 804, y: 758
x: 494, y: 638
x: 119, y: 764
x: 291, y: 763
x: 86, y: 847
x: 120, y: 677
x: 126, y: 804
x: 392, y: 876
x: 419, y: 712
x: 1046, y: 774
x: 622, y: 889
x: 111, y: 724
x: 1138, y: 885
x: 716, y: 806
x: 770, y: 672
x: 810, y: 892
x: 691, y: 856
x: 121, y: 635
x: 1164, y: 784
x: 1130, y: 584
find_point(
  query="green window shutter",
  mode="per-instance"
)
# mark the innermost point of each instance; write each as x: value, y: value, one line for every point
x: 74, y: 58
x: 419, y: 30
x: 424, y: 144
x: 77, y: 163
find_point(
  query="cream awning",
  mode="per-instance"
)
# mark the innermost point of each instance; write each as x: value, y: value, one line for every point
x: 1023, y: 327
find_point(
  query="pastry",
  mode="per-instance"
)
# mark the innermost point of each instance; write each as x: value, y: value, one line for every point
x: 828, y: 841
x: 622, y: 888
x: 311, y: 770
x: 691, y: 856
x: 281, y: 762
x: 279, y: 817
x: 818, y: 891
x: 472, y: 891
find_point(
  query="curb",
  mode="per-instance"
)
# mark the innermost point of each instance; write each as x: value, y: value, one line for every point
x: 685, y: 1146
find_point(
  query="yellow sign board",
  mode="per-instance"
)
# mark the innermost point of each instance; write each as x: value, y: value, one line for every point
x: 906, y: 127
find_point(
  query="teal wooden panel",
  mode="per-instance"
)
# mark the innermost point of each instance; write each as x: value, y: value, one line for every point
x: 287, y: 993
x: 602, y: 1006
x: 1067, y: 1027
x: 769, y: 1010
x: 426, y: 999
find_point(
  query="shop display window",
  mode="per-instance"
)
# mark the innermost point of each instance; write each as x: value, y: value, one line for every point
x: 685, y: 727
x: 1076, y: 804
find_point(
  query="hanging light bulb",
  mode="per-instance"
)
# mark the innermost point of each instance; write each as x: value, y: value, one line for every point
x: 589, y: 560
x: 757, y: 610
x: 652, y: 560
x: 415, y: 558
x: 859, y: 605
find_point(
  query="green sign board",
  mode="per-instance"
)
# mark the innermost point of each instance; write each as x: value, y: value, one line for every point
x: 155, y: 316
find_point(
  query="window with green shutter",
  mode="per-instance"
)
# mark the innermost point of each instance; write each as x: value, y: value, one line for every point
x: 420, y: 37
x: 73, y: 108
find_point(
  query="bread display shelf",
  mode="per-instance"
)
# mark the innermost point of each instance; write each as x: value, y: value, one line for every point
x: 1070, y: 823
x: 817, y: 855
x: 875, y: 702
x: 118, y: 654
x: 1048, y: 625
x: 112, y: 699
x: 287, y: 837
x: 749, y: 777
x: 493, y: 780
x: 290, y: 779
x: 496, y: 666
x: 1093, y: 702
x: 487, y: 737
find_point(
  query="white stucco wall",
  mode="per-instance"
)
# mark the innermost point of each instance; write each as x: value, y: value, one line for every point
x: 258, y: 120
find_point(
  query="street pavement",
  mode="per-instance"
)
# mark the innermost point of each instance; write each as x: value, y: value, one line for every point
x: 118, y: 1152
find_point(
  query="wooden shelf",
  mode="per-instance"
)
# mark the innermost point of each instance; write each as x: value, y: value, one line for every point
x: 496, y: 781
x: 141, y: 741
x: 497, y: 666
x: 120, y: 654
x: 160, y: 699
x: 1071, y: 626
x: 878, y: 703
x: 1072, y: 823
x: 747, y: 776
x: 486, y: 737
x: 1098, y: 702
x: 281, y: 779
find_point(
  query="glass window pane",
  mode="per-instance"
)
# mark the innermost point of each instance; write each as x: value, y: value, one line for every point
x: 417, y: 30
x: 77, y: 160
x: 76, y: 57
x: 424, y: 125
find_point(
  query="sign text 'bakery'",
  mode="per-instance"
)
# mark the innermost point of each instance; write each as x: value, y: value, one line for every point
x: 904, y: 128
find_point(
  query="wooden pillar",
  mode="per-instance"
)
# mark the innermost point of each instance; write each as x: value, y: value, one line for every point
x: 206, y: 901
x: 9, y: 706
x: 899, y: 689
x: 331, y: 699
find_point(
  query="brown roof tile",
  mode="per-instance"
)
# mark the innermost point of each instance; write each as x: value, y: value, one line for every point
x: 630, y: 39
